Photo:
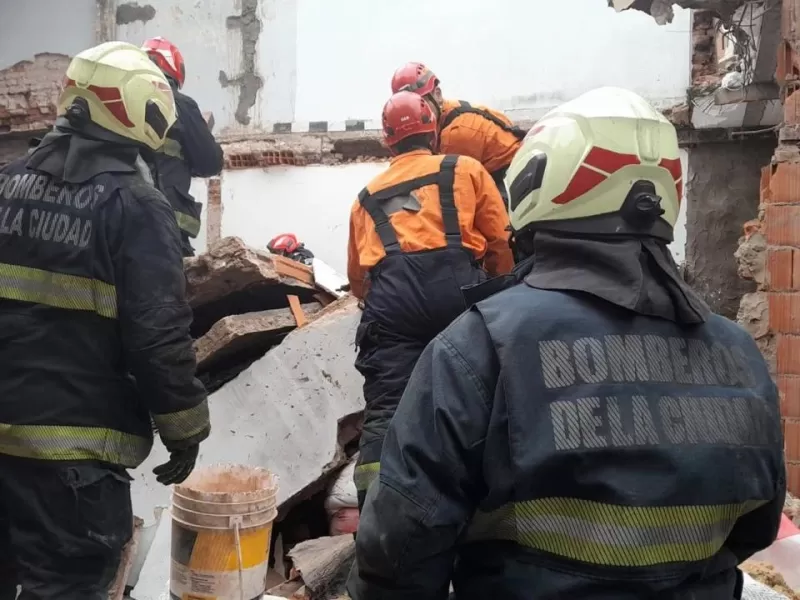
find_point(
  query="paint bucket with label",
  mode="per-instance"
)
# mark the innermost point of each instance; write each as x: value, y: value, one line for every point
x: 222, y: 519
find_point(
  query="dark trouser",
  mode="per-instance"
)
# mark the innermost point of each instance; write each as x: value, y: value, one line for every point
x: 412, y: 297
x: 62, y: 529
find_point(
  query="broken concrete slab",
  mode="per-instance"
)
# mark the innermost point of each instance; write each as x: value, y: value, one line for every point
x: 287, y: 412
x: 153, y: 583
x: 117, y: 590
x: 233, y: 278
x: 246, y: 334
x: 324, y: 564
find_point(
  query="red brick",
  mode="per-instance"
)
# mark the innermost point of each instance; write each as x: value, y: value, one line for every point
x: 789, y: 387
x: 791, y: 109
x: 782, y: 225
x: 788, y: 354
x: 783, y: 183
x: 791, y: 438
x: 783, y: 269
x: 784, y: 312
x: 793, y: 478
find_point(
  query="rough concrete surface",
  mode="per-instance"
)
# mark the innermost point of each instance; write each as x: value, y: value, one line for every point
x: 753, y: 315
x: 282, y: 413
x: 751, y: 258
x: 722, y: 192
x: 245, y: 333
x: 324, y: 564
x: 130, y: 12
x: 248, y: 81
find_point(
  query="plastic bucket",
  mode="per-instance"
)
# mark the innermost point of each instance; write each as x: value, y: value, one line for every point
x: 222, y: 519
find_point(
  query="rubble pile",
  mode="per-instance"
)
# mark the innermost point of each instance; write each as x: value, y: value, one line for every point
x: 275, y: 348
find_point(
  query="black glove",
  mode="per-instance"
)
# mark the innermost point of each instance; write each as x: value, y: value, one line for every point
x: 180, y: 465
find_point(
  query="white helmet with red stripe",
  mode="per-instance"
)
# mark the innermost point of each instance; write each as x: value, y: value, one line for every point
x: 125, y: 92
x: 606, y: 163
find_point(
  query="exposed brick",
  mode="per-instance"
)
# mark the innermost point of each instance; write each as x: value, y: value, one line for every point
x: 29, y: 92
x: 782, y: 225
x: 788, y: 354
x: 783, y: 184
x: 783, y: 269
x: 793, y: 478
x: 791, y: 108
x: 791, y: 436
x: 784, y: 312
x: 789, y: 387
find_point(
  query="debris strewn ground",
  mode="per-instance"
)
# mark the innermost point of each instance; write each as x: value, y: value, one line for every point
x: 769, y: 576
x: 276, y: 350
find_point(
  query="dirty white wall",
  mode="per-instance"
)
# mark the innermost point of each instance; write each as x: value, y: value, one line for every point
x: 256, y: 62
x: 314, y: 202
x: 28, y: 27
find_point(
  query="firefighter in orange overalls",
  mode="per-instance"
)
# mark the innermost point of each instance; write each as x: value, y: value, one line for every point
x: 485, y: 134
x: 419, y: 232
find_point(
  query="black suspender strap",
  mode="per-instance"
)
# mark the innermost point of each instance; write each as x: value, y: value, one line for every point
x: 383, y: 226
x: 466, y: 107
x: 375, y: 204
x: 447, y: 175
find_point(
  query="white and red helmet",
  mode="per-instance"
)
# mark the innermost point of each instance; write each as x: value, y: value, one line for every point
x: 168, y: 58
x: 284, y: 243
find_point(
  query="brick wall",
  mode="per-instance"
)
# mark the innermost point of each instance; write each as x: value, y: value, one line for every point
x: 770, y: 253
x: 29, y: 92
x: 704, y: 59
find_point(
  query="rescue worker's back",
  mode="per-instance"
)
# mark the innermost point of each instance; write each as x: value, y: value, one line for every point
x: 594, y: 432
x: 419, y: 232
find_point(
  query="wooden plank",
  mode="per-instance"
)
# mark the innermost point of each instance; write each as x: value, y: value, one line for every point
x: 297, y: 310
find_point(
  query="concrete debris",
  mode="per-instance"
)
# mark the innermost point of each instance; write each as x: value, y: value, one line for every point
x: 791, y: 508
x: 129, y: 552
x: 767, y: 575
x: 662, y: 10
x: 232, y: 278
x: 324, y: 564
x: 753, y: 315
x: 246, y: 334
x: 751, y: 257
x: 153, y: 581
x: 288, y: 412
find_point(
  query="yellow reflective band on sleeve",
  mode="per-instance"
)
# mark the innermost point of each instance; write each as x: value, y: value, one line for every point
x: 365, y: 474
x: 172, y: 148
x: 184, y: 424
x: 62, y: 442
x: 58, y: 290
x: 613, y: 535
x: 188, y: 224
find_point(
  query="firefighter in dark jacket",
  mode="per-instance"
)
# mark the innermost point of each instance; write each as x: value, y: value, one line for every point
x: 594, y: 432
x: 94, y: 331
x: 419, y: 231
x: 485, y: 134
x: 190, y: 149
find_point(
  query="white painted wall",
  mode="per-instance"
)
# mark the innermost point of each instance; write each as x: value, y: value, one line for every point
x: 314, y: 203
x: 329, y: 61
x: 29, y: 27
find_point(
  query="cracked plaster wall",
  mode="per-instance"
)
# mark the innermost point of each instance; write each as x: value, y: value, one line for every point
x: 257, y: 62
x: 722, y: 192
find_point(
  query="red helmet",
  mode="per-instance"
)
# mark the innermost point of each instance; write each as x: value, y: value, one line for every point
x: 285, y: 243
x: 407, y: 114
x: 168, y: 58
x: 414, y: 77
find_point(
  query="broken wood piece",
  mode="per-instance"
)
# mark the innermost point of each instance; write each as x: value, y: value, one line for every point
x: 247, y: 334
x: 117, y: 589
x: 297, y: 310
x: 233, y: 278
x: 324, y: 564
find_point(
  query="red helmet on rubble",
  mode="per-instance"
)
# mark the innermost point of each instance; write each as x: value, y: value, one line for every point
x: 407, y: 114
x: 285, y: 243
x: 168, y: 58
x: 414, y: 77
